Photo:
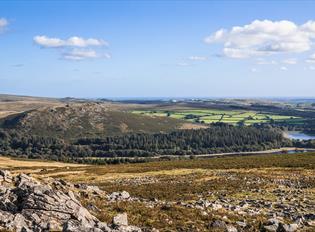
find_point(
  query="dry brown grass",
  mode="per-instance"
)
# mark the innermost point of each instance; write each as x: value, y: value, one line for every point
x: 34, y: 165
x: 194, y: 126
x: 174, y: 181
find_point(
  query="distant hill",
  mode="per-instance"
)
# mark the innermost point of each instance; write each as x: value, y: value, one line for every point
x: 13, y: 104
x: 86, y: 120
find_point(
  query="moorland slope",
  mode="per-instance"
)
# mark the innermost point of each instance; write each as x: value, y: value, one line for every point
x: 86, y: 120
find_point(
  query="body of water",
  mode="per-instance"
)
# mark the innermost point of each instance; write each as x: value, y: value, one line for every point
x: 298, y: 135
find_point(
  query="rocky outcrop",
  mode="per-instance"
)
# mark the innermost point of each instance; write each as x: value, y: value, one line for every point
x: 221, y: 225
x: 28, y: 205
x: 275, y: 225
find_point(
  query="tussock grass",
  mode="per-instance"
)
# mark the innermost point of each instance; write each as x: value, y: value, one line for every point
x: 236, y: 178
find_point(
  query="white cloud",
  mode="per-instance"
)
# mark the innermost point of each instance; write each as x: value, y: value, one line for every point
x: 309, y: 27
x: 74, y: 41
x: 73, y: 48
x: 197, y: 58
x: 183, y: 64
x: 262, y: 61
x: 3, y: 24
x: 283, y: 68
x: 311, y: 59
x: 311, y: 67
x: 290, y: 61
x: 217, y: 36
x: 81, y: 54
x: 254, y: 70
x: 48, y: 42
x: 260, y: 38
x: 240, y: 53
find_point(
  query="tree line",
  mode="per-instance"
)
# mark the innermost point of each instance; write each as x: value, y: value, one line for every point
x: 217, y: 138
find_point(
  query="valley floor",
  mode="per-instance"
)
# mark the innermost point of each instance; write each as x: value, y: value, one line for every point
x: 241, y: 192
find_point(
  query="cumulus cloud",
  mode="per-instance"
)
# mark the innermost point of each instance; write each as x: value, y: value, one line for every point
x: 254, y: 70
x: 73, y: 48
x: 3, y: 24
x: 81, y: 54
x: 261, y: 38
x: 197, y: 58
x: 283, y: 68
x: 74, y: 41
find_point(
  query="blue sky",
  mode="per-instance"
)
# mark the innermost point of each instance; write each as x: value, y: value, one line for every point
x: 157, y: 48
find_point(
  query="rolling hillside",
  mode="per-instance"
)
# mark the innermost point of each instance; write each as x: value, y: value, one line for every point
x: 86, y: 120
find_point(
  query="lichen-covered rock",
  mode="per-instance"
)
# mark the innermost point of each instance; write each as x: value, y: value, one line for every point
x: 28, y: 205
x: 119, y: 196
x: 5, y: 176
x: 288, y: 227
x: 120, y: 220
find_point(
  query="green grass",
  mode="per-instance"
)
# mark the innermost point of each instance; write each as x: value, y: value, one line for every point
x: 227, y: 116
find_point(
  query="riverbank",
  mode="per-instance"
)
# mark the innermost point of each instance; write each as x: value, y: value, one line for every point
x: 298, y: 135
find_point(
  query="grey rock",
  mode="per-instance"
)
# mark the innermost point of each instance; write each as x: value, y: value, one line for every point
x: 230, y: 228
x: 88, y: 190
x: 5, y: 176
x: 270, y: 228
x: 27, y: 205
x: 271, y: 225
x: 216, y: 206
x: 218, y: 224
x: 23, y: 178
x: 81, y: 186
x: 274, y: 221
x: 119, y: 196
x: 92, y: 207
x: 241, y: 224
x: 120, y: 220
x: 204, y: 213
x: 288, y: 227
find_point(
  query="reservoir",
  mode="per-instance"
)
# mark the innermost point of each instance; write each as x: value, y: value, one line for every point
x: 298, y: 135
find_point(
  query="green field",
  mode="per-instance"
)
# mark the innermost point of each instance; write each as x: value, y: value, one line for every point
x: 227, y: 116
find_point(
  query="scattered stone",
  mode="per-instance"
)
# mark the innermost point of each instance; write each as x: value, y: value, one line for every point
x: 287, y: 228
x: 218, y: 224
x: 216, y: 206
x: 230, y: 228
x: 241, y: 224
x: 120, y: 220
x: 92, y: 207
x: 275, y: 225
x: 271, y: 225
x: 166, y: 206
x: 270, y: 228
x: 119, y: 196
x: 204, y: 213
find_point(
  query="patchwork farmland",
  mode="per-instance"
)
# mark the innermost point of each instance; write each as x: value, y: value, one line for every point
x: 233, y: 117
